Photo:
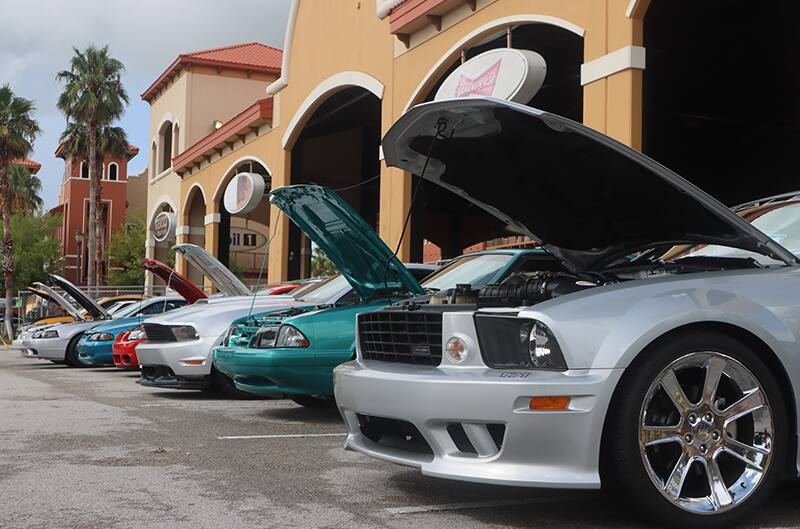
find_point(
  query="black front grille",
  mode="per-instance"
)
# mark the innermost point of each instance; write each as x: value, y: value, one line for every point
x: 408, y: 337
x: 158, y: 333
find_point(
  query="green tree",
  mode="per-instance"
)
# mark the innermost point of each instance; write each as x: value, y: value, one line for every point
x: 24, y: 189
x: 18, y: 130
x: 127, y: 251
x: 37, y: 252
x: 94, y: 97
x: 321, y: 265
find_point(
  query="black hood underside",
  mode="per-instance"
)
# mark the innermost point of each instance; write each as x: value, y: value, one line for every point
x: 585, y: 197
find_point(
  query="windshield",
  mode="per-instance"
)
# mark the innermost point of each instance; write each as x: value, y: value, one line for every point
x: 781, y: 224
x: 324, y: 290
x: 118, y: 306
x: 477, y: 270
x: 128, y: 310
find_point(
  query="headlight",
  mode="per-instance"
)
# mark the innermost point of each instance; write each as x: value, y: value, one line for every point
x: 265, y: 337
x: 522, y: 343
x: 288, y: 336
x: 543, y: 350
x: 45, y: 334
x: 184, y: 333
x: 101, y: 337
x: 137, y: 334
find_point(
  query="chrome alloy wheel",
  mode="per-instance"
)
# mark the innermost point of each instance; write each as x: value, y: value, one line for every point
x: 705, y: 432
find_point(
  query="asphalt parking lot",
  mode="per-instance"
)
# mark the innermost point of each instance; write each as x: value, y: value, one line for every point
x: 85, y: 448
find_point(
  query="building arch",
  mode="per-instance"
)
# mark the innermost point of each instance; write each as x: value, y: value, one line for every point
x: 321, y: 92
x: 473, y: 37
x: 190, y: 195
x: 161, y: 202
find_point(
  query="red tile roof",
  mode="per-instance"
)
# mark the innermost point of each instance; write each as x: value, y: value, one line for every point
x: 30, y: 165
x: 133, y: 150
x: 250, y: 56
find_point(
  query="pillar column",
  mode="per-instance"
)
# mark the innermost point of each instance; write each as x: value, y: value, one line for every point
x: 150, y: 253
x: 395, y: 201
x: 278, y: 260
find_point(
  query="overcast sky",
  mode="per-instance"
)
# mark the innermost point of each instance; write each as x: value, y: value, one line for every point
x: 37, y: 37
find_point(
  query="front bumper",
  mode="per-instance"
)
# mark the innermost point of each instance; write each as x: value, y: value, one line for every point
x: 434, y: 409
x: 182, y: 365
x: 95, y: 353
x: 19, y: 345
x: 47, y: 348
x: 124, y: 354
x: 269, y: 371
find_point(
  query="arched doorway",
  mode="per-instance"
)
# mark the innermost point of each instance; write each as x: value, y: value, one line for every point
x: 194, y: 221
x: 443, y: 225
x: 338, y: 147
x: 242, y: 239
x: 720, y: 91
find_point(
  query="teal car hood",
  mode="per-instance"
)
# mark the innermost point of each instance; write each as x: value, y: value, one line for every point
x: 353, y: 246
x: 116, y: 326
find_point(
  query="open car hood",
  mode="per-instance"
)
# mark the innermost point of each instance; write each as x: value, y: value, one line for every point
x: 223, y: 279
x: 353, y: 246
x: 44, y: 291
x: 88, y: 304
x: 174, y: 280
x: 585, y: 197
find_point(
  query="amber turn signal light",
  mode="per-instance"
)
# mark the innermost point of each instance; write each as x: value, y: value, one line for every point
x: 549, y: 403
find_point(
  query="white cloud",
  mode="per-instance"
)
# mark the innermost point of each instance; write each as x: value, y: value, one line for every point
x: 146, y: 35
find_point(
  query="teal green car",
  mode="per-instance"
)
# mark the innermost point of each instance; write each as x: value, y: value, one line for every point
x: 294, y: 352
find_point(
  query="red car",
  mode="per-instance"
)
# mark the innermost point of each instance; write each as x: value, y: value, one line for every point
x: 123, y: 349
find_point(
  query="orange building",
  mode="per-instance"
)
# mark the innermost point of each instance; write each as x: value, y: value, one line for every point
x: 73, y: 206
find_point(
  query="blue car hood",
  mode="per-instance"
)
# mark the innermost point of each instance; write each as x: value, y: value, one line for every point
x: 353, y: 246
x: 122, y: 324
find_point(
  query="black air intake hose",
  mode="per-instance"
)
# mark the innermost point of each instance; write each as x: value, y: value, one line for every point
x: 529, y: 289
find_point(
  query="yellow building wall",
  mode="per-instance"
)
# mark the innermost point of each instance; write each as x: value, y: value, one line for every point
x: 345, y: 36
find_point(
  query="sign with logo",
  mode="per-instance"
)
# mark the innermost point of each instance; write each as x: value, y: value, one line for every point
x: 164, y: 226
x: 504, y: 73
x: 244, y: 192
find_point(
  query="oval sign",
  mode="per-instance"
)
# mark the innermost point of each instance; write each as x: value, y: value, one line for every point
x: 504, y: 73
x: 164, y: 226
x: 244, y: 192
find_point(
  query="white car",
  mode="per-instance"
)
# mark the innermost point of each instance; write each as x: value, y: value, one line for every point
x: 178, y: 347
x: 673, y: 381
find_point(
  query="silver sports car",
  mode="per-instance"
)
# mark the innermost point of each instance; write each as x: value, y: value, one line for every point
x: 662, y: 364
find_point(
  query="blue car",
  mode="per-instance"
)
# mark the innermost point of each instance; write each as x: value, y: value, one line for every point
x: 94, y: 347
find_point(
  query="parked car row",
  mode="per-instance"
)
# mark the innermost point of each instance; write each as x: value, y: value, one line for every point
x: 649, y: 345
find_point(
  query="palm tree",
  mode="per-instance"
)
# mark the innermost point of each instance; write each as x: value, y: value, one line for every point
x: 24, y: 189
x: 111, y: 142
x: 18, y: 130
x: 94, y: 97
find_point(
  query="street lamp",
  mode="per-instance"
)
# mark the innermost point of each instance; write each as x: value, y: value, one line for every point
x: 79, y: 241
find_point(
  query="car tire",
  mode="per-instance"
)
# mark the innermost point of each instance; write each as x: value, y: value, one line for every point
x: 222, y: 383
x: 644, y: 441
x: 71, y: 354
x: 313, y: 401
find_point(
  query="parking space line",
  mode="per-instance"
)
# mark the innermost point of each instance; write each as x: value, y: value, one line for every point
x: 475, y: 505
x: 282, y: 436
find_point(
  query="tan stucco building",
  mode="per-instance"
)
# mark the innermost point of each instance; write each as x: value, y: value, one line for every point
x: 350, y: 68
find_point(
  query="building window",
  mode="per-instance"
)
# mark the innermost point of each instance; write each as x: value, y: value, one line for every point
x: 113, y: 171
x: 249, y: 239
x: 165, y: 146
x: 84, y: 169
x: 236, y: 239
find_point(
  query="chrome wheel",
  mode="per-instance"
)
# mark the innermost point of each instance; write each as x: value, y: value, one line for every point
x: 705, y: 432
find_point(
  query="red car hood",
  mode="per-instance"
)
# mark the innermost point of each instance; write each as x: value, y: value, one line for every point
x: 174, y: 280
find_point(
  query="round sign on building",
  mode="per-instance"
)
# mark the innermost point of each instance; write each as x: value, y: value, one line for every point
x: 164, y: 226
x: 504, y: 73
x: 244, y: 193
